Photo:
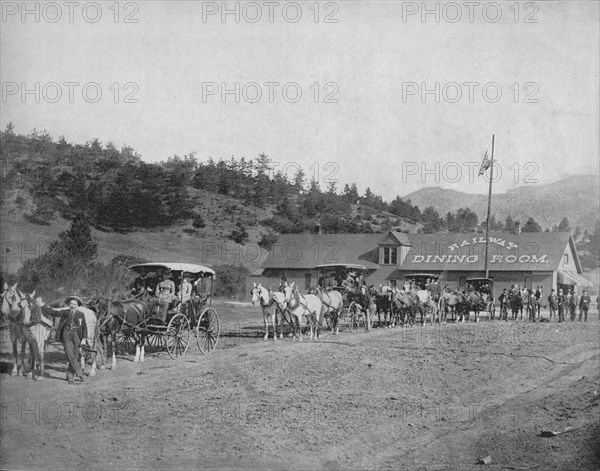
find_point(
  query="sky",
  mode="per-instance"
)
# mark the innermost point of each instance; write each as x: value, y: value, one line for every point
x: 395, y: 96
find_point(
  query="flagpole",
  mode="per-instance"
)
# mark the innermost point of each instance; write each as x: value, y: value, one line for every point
x: 489, y: 209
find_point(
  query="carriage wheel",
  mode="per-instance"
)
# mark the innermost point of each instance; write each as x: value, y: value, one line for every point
x: 178, y: 335
x: 491, y: 309
x: 155, y: 329
x: 207, y: 331
x: 352, y: 319
x: 126, y: 343
x: 155, y: 342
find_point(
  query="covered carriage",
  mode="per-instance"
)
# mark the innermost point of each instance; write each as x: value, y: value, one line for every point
x: 426, y: 282
x: 348, y: 279
x: 485, y: 288
x: 172, y: 319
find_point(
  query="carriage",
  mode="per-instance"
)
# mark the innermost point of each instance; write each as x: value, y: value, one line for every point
x: 354, y: 314
x: 485, y: 286
x: 170, y: 326
x: 426, y: 281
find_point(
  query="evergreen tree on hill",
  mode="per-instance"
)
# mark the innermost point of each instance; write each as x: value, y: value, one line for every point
x: 531, y: 226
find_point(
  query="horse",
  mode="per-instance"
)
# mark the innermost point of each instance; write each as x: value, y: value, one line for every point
x: 383, y: 303
x: 300, y: 305
x: 476, y: 302
x: 90, y: 346
x: 428, y: 303
x: 449, y: 300
x: 17, y: 308
x: 127, y: 316
x: 409, y: 302
x: 332, y: 303
x: 272, y: 304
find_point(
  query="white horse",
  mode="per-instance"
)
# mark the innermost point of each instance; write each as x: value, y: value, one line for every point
x: 425, y: 297
x: 272, y: 304
x: 300, y: 305
x: 88, y: 345
x: 17, y: 307
x: 332, y: 303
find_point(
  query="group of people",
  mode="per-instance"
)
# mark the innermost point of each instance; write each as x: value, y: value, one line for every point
x: 559, y: 305
x: 165, y: 292
x: 568, y: 303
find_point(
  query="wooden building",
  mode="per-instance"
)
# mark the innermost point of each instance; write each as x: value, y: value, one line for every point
x: 546, y: 259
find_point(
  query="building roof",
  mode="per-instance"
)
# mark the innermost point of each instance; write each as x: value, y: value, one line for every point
x: 306, y: 251
x: 532, y: 251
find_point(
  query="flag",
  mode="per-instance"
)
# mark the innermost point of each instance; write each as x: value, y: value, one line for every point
x: 485, y: 164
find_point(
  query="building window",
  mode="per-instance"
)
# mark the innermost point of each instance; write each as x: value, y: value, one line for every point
x: 390, y: 256
x: 566, y: 259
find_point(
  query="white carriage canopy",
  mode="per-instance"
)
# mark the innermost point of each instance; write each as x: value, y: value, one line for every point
x: 191, y: 268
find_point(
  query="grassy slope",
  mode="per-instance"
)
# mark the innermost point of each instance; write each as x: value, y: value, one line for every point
x: 22, y: 240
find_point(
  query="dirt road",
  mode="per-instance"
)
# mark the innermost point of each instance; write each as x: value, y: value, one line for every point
x: 431, y: 398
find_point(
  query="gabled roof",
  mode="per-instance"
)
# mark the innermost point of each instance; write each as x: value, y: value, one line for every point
x: 532, y: 251
x: 535, y: 251
x: 395, y: 238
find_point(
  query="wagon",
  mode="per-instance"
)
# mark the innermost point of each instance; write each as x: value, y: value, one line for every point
x: 485, y: 285
x: 172, y: 326
x: 421, y: 280
x: 354, y: 315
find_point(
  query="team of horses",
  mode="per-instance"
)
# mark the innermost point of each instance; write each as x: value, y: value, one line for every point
x: 31, y: 322
x: 394, y: 307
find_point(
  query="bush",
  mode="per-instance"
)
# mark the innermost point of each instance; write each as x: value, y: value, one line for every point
x: 239, y: 236
x: 267, y: 241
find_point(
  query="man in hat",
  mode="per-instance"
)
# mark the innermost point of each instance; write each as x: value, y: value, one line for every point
x: 573, y: 302
x: 71, y: 330
x: 503, y: 299
x: 552, y: 303
x: 584, y: 305
x: 562, y: 305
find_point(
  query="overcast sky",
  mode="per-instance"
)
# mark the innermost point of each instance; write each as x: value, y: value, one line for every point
x: 366, y: 114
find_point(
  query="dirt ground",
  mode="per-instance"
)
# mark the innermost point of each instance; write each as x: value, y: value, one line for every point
x: 431, y: 398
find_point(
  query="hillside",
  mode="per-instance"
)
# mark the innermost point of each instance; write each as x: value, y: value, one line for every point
x: 23, y: 240
x: 575, y: 197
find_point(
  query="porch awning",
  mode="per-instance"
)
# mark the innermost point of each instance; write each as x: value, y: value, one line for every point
x: 570, y: 278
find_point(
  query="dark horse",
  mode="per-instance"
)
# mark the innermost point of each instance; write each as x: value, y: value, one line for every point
x: 128, y: 317
x: 383, y: 304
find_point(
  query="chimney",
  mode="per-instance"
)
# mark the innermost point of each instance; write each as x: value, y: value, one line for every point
x: 517, y: 227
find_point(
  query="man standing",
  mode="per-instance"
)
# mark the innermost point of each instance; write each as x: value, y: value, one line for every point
x: 538, y: 298
x: 584, y: 305
x: 573, y: 301
x: 552, y: 303
x: 503, y: 299
x: 562, y: 305
x: 71, y: 330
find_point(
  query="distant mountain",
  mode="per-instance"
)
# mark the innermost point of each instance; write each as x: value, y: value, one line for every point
x: 577, y: 197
